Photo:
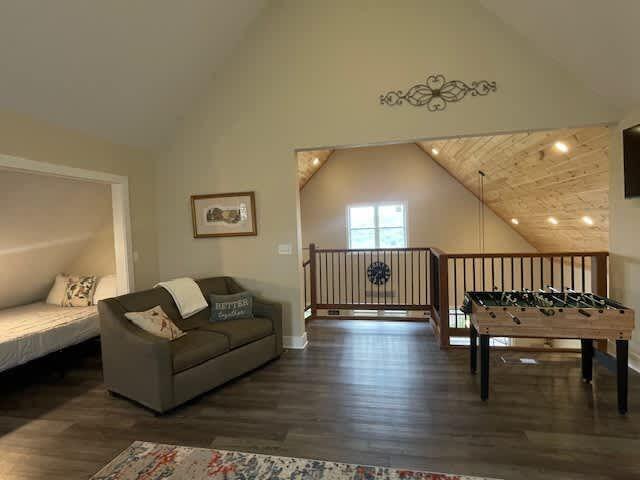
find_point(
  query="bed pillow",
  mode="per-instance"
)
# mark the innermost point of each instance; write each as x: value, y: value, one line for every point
x: 231, y: 307
x: 79, y: 291
x: 56, y: 294
x: 106, y: 288
x: 156, y: 322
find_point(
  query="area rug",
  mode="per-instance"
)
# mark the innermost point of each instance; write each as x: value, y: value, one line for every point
x: 153, y: 461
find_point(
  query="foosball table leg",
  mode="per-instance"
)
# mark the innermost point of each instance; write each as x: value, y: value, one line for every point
x: 484, y: 367
x: 473, y: 348
x: 622, y: 358
x: 587, y: 359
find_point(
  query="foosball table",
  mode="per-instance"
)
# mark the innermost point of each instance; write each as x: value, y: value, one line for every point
x: 550, y: 314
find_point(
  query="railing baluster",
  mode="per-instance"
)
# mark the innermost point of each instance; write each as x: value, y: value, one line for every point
x: 573, y: 273
x: 473, y: 268
x: 455, y: 291
x: 484, y: 288
x: 552, y: 282
x: 562, y: 274
x: 583, y: 280
x: 493, y: 273
x: 521, y: 273
x: 541, y: 273
x: 513, y: 287
x: 412, y: 280
x: 419, y: 275
x: 502, y: 274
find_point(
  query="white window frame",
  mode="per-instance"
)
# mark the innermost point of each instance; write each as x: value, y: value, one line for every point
x: 377, y: 227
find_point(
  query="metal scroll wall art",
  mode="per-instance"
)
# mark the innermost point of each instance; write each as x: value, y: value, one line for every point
x: 437, y: 92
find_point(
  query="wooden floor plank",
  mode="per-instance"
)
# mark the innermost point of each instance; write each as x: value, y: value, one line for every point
x: 364, y: 392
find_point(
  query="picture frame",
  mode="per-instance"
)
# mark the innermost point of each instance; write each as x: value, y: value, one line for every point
x: 224, y: 215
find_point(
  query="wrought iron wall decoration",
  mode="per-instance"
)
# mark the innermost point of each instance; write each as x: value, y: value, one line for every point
x: 378, y: 273
x: 436, y: 93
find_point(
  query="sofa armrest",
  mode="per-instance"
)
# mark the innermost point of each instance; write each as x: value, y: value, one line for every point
x: 135, y: 363
x: 263, y: 308
x: 272, y: 311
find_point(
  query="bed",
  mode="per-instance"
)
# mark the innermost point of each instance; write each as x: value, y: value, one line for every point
x: 31, y: 331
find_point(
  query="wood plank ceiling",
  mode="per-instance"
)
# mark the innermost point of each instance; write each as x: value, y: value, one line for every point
x: 308, y: 166
x: 529, y: 179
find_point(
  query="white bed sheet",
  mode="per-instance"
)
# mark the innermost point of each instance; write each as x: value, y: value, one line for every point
x: 34, y: 330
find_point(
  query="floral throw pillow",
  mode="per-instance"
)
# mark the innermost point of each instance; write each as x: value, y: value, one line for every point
x: 156, y: 322
x: 79, y: 291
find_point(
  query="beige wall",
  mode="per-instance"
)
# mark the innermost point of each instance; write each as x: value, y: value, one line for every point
x: 309, y: 74
x: 441, y: 212
x: 624, y: 231
x: 98, y: 257
x: 28, y: 138
x: 51, y: 225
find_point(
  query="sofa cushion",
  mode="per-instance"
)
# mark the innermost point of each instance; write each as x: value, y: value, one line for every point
x: 241, y: 331
x: 196, y: 347
x: 146, y: 299
x: 217, y: 285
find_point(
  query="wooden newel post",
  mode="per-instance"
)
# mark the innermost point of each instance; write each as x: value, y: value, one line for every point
x: 599, y: 284
x: 313, y: 279
x: 444, y: 300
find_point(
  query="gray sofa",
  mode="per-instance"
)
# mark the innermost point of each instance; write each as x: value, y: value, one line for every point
x: 161, y: 374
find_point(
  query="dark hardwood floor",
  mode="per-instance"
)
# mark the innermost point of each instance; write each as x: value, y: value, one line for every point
x: 363, y: 392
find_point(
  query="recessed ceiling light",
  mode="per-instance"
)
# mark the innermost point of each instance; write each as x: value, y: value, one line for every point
x: 587, y: 220
x: 515, y: 221
x: 561, y: 147
x: 435, y: 151
x: 316, y: 161
x: 552, y: 220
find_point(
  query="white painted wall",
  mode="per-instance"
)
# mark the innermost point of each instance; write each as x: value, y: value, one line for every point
x: 441, y: 212
x: 624, y: 232
x: 34, y: 140
x: 51, y: 225
x: 309, y: 74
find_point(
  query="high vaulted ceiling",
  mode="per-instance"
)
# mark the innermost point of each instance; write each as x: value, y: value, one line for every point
x: 529, y: 179
x: 595, y: 40
x: 125, y: 70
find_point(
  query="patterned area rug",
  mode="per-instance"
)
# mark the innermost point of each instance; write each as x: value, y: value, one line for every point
x: 152, y: 461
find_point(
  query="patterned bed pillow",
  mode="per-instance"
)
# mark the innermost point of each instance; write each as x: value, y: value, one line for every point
x: 156, y: 322
x: 79, y: 291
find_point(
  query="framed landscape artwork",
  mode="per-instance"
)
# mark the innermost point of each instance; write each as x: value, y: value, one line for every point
x: 224, y: 215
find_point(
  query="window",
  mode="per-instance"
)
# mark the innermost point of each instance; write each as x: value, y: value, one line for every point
x: 381, y: 225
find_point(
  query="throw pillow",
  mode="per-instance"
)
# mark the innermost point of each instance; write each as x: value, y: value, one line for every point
x: 156, y: 322
x: 106, y: 288
x: 79, y: 291
x: 231, y: 307
x: 56, y: 294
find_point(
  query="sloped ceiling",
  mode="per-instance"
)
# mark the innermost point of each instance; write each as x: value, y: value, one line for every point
x: 529, y: 179
x: 121, y: 70
x: 46, y: 224
x: 309, y: 162
x: 593, y: 39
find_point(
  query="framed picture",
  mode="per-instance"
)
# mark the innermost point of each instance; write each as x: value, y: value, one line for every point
x: 224, y: 215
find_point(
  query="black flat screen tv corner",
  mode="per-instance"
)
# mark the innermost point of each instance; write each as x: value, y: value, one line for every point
x: 631, y: 147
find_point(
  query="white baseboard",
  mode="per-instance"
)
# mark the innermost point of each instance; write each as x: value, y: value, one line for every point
x: 634, y: 361
x: 297, y: 343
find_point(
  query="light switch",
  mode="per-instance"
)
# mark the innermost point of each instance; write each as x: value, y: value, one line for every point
x: 284, y: 249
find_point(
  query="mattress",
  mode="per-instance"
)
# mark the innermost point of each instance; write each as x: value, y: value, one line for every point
x: 34, y: 330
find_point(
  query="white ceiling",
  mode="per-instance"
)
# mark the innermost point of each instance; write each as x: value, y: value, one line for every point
x: 596, y: 40
x: 125, y: 70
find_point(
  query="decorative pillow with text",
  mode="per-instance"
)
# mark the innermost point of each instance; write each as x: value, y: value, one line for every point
x: 231, y: 307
